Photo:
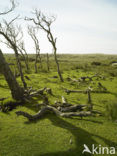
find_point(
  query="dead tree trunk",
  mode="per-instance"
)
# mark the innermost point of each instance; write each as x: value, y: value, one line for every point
x: 46, y: 109
x: 16, y: 91
x: 48, y: 68
x: 32, y: 32
x: 84, y: 91
x: 40, y: 60
x: 25, y: 58
x: 25, y: 55
x: 20, y: 68
x: 44, y: 23
x: 14, y: 47
x: 89, y: 100
x: 53, y: 42
x: 38, y: 56
x: 36, y: 63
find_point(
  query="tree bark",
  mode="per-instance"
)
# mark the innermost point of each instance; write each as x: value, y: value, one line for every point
x: 36, y: 63
x: 20, y: 68
x: 89, y: 100
x: 16, y: 91
x: 53, y: 42
x: 25, y: 58
x: 48, y: 68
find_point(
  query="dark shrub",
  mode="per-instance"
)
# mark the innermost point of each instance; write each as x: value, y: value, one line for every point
x: 31, y: 59
x: 113, y: 62
x: 96, y: 63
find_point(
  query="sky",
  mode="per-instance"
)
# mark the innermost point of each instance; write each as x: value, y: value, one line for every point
x: 82, y: 26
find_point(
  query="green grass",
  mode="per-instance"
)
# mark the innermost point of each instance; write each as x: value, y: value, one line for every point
x: 51, y: 135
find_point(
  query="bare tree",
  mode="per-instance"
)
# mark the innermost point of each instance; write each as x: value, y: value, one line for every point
x: 32, y: 32
x: 16, y: 91
x: 21, y: 47
x: 11, y: 34
x: 44, y: 23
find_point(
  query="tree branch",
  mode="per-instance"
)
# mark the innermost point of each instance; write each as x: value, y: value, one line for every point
x: 13, y: 6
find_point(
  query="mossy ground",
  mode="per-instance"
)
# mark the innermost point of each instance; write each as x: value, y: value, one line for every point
x: 51, y: 135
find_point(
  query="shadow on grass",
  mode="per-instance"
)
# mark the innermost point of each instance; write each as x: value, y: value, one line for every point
x: 115, y: 94
x: 81, y: 137
x: 94, y: 121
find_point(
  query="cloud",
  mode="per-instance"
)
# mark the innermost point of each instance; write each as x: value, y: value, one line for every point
x: 87, y: 25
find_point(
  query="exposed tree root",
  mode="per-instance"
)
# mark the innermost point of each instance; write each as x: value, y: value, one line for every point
x: 28, y: 93
x: 9, y: 106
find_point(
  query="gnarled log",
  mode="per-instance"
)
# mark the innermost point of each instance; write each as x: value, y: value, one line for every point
x: 72, y: 108
x: 36, y: 93
x: 47, y: 109
x: 85, y: 91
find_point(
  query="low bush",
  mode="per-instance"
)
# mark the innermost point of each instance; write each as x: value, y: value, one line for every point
x: 96, y: 63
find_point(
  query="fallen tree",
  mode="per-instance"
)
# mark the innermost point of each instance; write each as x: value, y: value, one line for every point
x: 26, y: 96
x: 47, y: 109
x: 71, y: 108
x: 63, y: 109
x: 68, y: 107
x: 84, y: 78
x: 85, y: 91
